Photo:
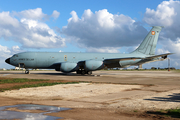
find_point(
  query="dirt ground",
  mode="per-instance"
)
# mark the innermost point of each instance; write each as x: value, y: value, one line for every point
x: 111, y: 95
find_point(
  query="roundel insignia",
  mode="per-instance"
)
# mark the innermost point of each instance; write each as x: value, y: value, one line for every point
x: 153, y: 32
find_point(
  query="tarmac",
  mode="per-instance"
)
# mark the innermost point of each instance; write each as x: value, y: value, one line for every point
x: 106, y: 95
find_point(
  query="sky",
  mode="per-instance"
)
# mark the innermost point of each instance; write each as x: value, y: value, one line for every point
x: 107, y: 26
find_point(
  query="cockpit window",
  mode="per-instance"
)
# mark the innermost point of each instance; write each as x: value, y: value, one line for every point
x: 15, y: 55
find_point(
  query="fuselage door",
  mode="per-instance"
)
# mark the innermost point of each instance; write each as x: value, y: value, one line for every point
x: 21, y: 65
x: 65, y: 57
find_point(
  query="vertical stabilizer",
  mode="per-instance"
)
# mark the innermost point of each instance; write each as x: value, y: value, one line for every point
x: 148, y: 45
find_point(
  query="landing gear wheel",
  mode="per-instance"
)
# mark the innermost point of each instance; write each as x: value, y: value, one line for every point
x: 78, y: 72
x: 27, y: 72
x: 89, y: 72
x: 83, y: 72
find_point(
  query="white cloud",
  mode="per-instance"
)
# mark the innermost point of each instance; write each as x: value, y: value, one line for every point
x: 16, y: 49
x: 103, y: 30
x: 7, y: 20
x: 163, y: 15
x: 35, y: 14
x: 74, y: 17
x: 166, y: 14
x: 171, y: 46
x: 29, y: 30
x: 55, y: 14
x: 6, y: 53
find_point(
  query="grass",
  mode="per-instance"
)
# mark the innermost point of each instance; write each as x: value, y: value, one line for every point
x: 135, y: 111
x: 174, y: 113
x: 16, y: 87
x: 177, y: 70
x: 28, y: 83
x: 19, y: 80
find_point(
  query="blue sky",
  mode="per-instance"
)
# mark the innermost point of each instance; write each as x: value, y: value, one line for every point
x: 52, y: 26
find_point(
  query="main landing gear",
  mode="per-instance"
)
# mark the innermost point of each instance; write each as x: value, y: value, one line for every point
x: 83, y: 72
x: 26, y: 71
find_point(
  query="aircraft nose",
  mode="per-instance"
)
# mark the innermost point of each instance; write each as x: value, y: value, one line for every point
x: 7, y: 60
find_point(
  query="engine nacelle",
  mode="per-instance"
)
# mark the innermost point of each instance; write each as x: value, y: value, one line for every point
x: 127, y: 63
x: 68, y: 67
x: 91, y: 65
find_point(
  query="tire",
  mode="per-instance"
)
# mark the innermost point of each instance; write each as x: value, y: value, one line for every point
x: 83, y: 72
x: 89, y: 72
x: 27, y: 72
x: 78, y: 72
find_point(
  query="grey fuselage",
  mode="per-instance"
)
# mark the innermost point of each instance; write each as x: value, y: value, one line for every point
x: 50, y: 60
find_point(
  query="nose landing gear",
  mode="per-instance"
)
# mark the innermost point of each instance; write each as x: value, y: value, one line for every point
x: 26, y: 71
x: 22, y: 65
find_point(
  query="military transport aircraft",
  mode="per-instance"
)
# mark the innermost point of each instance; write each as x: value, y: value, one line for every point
x: 85, y: 63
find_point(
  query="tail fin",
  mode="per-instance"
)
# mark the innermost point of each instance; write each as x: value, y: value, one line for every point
x: 148, y: 45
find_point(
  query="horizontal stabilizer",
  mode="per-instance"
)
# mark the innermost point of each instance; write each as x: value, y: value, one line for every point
x: 156, y: 56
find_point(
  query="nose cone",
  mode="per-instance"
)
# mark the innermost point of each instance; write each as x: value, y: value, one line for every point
x: 7, y: 60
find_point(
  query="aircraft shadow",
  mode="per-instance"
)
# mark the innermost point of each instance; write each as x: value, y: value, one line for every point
x: 171, y: 113
x: 161, y: 114
x: 62, y: 74
x: 170, y: 98
x: 11, y: 72
x: 45, y: 73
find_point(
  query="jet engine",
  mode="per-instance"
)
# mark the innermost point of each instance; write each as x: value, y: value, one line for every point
x: 125, y: 63
x: 128, y: 63
x: 68, y: 67
x: 91, y: 65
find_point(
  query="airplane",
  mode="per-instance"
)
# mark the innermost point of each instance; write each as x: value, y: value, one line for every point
x: 85, y: 63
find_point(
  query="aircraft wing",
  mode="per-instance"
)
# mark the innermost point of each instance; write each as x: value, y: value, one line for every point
x: 132, y: 58
x: 156, y: 56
